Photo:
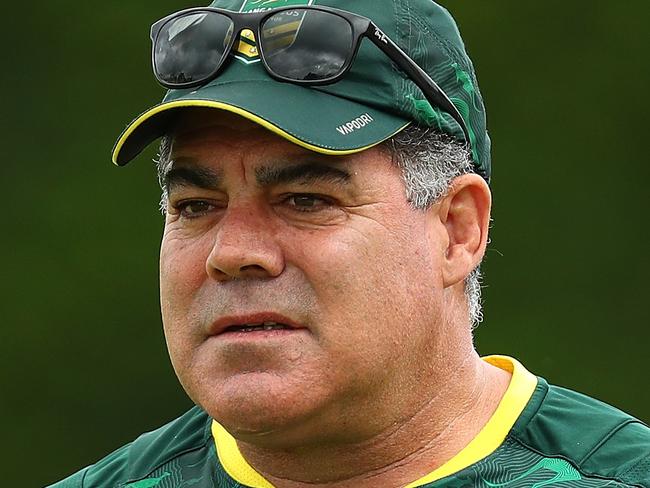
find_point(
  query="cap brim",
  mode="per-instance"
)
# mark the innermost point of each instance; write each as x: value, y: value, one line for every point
x: 305, y: 116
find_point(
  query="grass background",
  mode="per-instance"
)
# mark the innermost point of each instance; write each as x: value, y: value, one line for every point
x: 83, y: 364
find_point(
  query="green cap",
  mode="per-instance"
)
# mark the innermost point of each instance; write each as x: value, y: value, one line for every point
x: 373, y: 102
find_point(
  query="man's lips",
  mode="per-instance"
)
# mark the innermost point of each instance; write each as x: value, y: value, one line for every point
x: 262, y: 321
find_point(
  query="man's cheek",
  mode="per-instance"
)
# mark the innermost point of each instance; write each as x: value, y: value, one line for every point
x: 182, y: 269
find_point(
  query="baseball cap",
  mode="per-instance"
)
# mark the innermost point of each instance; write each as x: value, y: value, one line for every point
x: 371, y: 103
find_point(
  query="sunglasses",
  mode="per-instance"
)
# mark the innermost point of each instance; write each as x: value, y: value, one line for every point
x: 309, y: 45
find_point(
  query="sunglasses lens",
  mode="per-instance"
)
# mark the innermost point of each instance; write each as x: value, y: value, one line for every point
x: 306, y: 45
x: 191, y: 47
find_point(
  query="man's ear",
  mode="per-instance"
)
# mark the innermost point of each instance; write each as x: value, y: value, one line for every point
x: 465, y: 213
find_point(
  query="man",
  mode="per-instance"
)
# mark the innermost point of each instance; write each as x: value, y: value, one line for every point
x: 326, y: 216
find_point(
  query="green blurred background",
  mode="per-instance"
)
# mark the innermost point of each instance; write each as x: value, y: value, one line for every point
x: 84, y: 367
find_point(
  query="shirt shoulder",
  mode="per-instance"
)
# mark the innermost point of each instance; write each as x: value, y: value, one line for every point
x: 182, y: 444
x: 599, y: 440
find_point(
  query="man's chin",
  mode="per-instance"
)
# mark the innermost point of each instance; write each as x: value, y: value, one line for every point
x: 255, y: 405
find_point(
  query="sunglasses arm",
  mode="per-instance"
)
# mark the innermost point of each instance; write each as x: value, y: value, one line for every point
x: 435, y: 96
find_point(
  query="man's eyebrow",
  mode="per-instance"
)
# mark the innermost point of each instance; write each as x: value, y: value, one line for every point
x: 197, y: 176
x: 307, y: 172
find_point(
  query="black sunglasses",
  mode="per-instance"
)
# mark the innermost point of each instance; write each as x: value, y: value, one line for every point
x: 309, y: 45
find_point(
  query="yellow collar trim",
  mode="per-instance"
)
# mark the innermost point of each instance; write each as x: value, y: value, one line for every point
x: 233, y: 461
x: 521, y: 388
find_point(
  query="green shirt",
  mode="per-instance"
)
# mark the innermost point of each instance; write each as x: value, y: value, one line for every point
x: 540, y: 435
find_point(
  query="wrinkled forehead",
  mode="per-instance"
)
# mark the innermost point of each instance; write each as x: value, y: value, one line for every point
x: 196, y: 123
x: 202, y: 133
x: 212, y: 138
x: 206, y: 130
x: 211, y: 148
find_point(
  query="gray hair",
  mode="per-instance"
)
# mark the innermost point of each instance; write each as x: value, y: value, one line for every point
x: 429, y: 161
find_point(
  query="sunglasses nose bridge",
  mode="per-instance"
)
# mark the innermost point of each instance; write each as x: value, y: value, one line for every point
x: 242, y: 29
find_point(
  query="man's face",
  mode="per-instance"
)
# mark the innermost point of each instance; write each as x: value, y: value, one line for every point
x: 299, y: 291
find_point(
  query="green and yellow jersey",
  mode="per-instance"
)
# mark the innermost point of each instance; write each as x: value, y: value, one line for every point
x: 540, y: 435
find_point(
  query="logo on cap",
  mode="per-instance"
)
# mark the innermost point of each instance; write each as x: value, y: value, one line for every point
x: 353, y: 125
x: 246, y: 50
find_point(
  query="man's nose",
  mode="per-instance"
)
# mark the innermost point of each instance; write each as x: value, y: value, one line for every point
x: 244, y: 247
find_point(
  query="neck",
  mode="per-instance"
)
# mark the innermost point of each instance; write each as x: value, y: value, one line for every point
x: 406, y: 449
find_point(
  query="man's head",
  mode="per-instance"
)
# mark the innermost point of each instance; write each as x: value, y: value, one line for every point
x: 321, y: 244
x: 395, y: 64
x: 367, y: 290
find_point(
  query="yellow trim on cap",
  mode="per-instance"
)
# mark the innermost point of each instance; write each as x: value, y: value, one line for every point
x: 236, y: 110
x: 521, y: 388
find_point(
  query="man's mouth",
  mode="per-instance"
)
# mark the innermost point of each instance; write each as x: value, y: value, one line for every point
x: 266, y: 326
x: 255, y: 322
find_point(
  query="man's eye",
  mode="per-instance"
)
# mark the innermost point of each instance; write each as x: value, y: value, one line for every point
x: 194, y: 208
x: 307, y: 203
